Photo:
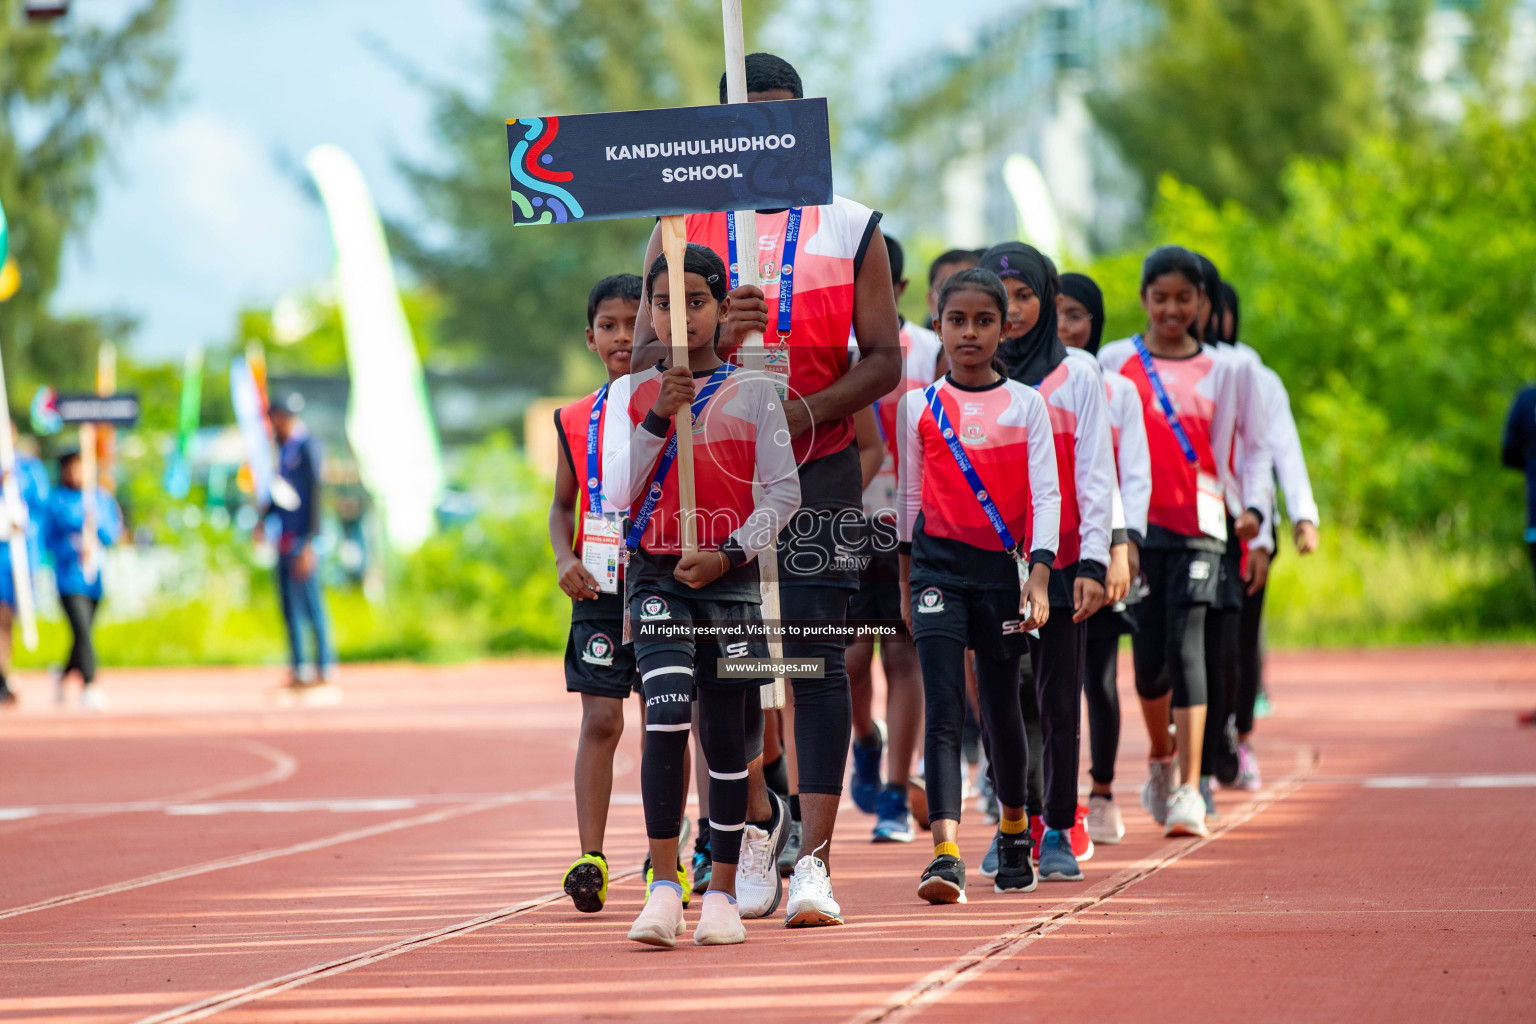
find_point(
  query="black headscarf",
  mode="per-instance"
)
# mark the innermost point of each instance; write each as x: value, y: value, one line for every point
x: 1229, y: 300
x: 1082, y: 288
x: 1030, y: 358
x: 1211, y: 278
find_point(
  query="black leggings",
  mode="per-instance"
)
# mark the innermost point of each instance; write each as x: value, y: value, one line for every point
x: 823, y: 707
x: 1059, y: 659
x: 669, y: 692
x: 1222, y: 629
x: 1251, y: 660
x: 80, y: 610
x: 1168, y: 650
x: 997, y: 691
x: 1099, y: 687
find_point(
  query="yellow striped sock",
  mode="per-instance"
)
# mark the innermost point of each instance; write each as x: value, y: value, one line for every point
x: 946, y: 850
x: 1013, y: 828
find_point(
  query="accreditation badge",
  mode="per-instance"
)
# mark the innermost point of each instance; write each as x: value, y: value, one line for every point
x: 601, y: 541
x: 1210, y: 506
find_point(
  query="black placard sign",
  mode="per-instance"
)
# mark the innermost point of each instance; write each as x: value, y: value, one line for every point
x: 652, y: 163
x: 116, y: 410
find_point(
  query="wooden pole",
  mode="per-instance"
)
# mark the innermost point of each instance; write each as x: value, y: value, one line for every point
x: 106, y: 435
x: 674, y: 241
x: 21, y: 563
x: 753, y: 355
x: 88, y: 546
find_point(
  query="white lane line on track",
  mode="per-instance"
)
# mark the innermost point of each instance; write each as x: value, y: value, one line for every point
x: 335, y: 805
x: 968, y: 966
x: 283, y: 766
x: 204, y: 1008
x: 257, y: 856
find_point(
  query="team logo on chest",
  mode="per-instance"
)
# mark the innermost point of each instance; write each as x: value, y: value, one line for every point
x: 930, y: 601
x: 599, y: 650
x: 973, y: 433
x: 654, y: 608
x: 767, y: 270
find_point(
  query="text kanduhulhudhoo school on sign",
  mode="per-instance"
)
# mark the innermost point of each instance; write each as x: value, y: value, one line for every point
x: 652, y: 163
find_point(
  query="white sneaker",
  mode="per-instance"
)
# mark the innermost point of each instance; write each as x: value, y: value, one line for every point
x: 810, y: 903
x: 1158, y: 787
x: 661, y: 919
x: 92, y: 699
x: 57, y: 676
x: 1186, y: 813
x: 719, y: 922
x: 1104, y: 824
x: 758, y: 885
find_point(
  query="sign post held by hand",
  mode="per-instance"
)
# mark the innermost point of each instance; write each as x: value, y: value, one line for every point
x: 668, y: 163
x: 674, y: 242
x: 753, y: 355
x: 91, y: 411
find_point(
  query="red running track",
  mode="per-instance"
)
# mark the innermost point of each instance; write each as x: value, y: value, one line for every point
x: 204, y: 852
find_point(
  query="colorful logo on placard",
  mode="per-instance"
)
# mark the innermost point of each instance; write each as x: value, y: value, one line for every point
x: 537, y: 198
x: 46, y: 420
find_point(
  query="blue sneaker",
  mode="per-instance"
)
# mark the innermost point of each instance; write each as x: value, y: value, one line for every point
x: 1056, y: 861
x: 989, y: 862
x: 893, y: 822
x: 867, y: 782
x: 702, y: 866
x: 1208, y: 794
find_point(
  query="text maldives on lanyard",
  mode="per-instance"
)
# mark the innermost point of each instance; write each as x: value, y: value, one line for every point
x: 786, y: 267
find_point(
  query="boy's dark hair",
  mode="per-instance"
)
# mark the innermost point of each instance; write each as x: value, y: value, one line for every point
x: 898, y: 258
x: 970, y: 256
x: 975, y: 279
x: 1171, y: 259
x: 766, y: 72
x: 697, y: 259
x: 616, y: 286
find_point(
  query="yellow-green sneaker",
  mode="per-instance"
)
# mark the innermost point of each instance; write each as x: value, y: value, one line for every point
x: 586, y: 882
x: 682, y: 880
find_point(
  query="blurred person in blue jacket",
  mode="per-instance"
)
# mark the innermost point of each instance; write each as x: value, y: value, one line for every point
x: 79, y: 584
x: 295, y: 502
x: 32, y: 480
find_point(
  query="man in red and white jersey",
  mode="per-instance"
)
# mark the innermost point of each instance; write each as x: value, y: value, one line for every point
x: 841, y: 281
x: 877, y: 605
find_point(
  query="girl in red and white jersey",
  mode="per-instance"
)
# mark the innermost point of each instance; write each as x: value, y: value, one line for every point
x: 978, y: 476
x: 877, y: 605
x: 739, y: 436
x: 1085, y: 466
x: 1192, y: 403
x: 1081, y: 328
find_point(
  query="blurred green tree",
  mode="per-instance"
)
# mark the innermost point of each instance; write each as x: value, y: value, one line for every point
x: 1395, y: 297
x: 1226, y: 93
x: 67, y: 90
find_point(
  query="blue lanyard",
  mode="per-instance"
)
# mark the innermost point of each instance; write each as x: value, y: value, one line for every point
x: 786, y: 265
x: 1174, y: 423
x: 931, y: 394
x: 880, y: 423
x: 594, y: 459
x: 669, y: 456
